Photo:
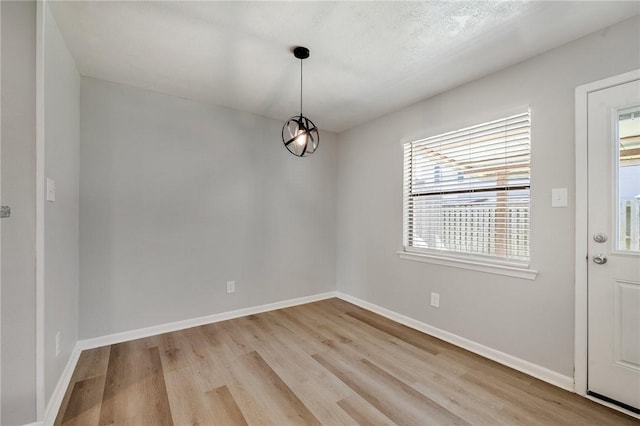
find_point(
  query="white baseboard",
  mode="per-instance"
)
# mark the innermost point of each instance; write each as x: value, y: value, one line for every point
x: 537, y: 371
x: 51, y: 410
x: 125, y: 336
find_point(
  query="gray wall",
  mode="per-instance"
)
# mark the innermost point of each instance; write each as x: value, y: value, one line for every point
x: 178, y: 197
x: 61, y: 238
x: 532, y: 320
x: 18, y: 232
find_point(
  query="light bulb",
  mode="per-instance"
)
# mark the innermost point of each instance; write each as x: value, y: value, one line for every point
x: 301, y: 139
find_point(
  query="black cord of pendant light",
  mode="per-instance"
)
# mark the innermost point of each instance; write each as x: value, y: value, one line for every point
x: 301, y: 87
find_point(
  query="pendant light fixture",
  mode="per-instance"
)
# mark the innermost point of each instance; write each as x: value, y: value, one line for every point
x: 299, y: 134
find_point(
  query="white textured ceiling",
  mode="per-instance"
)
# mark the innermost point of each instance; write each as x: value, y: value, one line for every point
x: 367, y: 58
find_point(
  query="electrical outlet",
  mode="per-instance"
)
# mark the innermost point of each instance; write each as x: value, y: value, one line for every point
x: 435, y: 300
x: 57, y: 343
x: 231, y: 286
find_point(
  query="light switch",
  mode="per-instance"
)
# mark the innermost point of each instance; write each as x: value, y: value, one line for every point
x: 559, y: 197
x: 51, y: 189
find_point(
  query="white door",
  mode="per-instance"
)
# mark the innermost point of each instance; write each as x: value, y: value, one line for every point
x: 614, y: 246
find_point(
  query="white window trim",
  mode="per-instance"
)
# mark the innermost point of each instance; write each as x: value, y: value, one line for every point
x: 464, y: 262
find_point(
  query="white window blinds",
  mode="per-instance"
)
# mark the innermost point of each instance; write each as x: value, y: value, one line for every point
x: 467, y: 191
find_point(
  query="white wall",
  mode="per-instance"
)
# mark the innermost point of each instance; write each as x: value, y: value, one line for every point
x: 177, y: 197
x: 532, y: 320
x: 61, y: 227
x: 18, y: 232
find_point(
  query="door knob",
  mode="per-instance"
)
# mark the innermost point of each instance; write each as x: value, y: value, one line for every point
x: 600, y: 259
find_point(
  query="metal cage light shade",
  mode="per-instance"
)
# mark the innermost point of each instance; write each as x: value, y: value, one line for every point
x: 299, y: 135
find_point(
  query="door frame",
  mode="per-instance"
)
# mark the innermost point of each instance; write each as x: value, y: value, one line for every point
x: 41, y: 403
x: 581, y: 229
x: 0, y: 224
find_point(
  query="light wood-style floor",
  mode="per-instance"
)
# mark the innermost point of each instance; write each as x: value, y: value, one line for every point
x: 327, y: 362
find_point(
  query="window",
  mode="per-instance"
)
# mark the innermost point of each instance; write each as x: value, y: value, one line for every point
x: 466, y: 193
x: 628, y: 165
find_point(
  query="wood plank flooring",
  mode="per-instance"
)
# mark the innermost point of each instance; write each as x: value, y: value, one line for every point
x: 327, y: 362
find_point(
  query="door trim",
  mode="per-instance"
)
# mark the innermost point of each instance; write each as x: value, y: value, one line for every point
x: 40, y: 203
x: 0, y: 225
x: 581, y: 225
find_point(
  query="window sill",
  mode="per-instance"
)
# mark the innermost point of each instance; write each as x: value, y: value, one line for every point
x: 509, y: 271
